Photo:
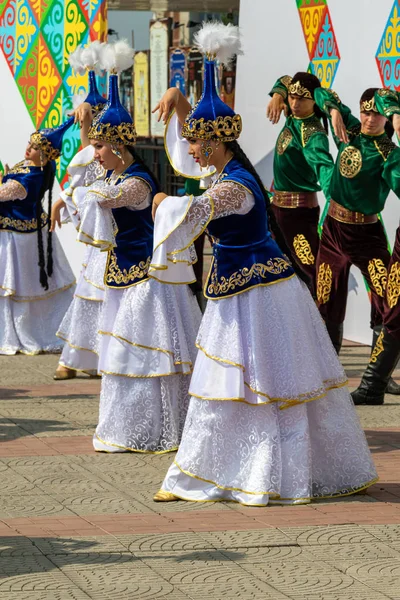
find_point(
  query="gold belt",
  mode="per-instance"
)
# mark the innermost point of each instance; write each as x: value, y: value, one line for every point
x: 295, y: 199
x: 344, y: 215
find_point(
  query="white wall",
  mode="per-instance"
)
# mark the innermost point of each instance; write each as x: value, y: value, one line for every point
x: 16, y: 127
x: 274, y: 45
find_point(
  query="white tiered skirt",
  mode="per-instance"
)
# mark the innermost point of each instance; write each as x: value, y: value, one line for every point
x: 30, y: 315
x: 80, y: 326
x: 270, y: 416
x: 147, y: 351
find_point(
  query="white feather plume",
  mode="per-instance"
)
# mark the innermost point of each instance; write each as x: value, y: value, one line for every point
x: 75, y: 60
x: 90, y: 56
x: 78, y: 99
x: 117, y: 57
x: 219, y: 40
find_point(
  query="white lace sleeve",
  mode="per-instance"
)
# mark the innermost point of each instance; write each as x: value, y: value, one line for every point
x: 180, y: 221
x: 132, y: 193
x: 12, y: 190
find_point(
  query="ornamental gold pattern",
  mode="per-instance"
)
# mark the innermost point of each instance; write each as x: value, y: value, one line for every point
x: 274, y: 266
x: 124, y: 133
x: 350, y: 162
x: 378, y: 348
x: 19, y: 168
x: 378, y: 274
x: 324, y: 283
x: 20, y: 225
x: 296, y: 89
x: 226, y: 128
x: 41, y: 141
x: 115, y: 275
x: 303, y: 250
x: 393, y: 285
x: 368, y: 106
x: 309, y: 127
x: 385, y: 147
x: 284, y: 139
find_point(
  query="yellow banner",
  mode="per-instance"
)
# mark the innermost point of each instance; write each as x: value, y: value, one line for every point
x: 141, y: 94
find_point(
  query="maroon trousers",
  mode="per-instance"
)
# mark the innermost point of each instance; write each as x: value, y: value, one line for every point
x: 391, y: 315
x: 299, y: 227
x: 343, y: 245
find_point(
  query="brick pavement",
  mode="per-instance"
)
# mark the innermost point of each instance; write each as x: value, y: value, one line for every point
x: 79, y: 525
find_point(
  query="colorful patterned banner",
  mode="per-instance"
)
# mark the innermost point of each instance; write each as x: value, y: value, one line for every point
x: 388, y: 53
x: 36, y: 37
x: 320, y: 39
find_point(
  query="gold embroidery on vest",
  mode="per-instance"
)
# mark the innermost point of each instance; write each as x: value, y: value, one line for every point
x: 385, y: 147
x: 115, y: 275
x: 350, y: 162
x: 275, y: 266
x: 378, y: 349
x: 324, y: 283
x: 393, y: 285
x: 303, y: 250
x: 309, y: 127
x: 378, y: 273
x: 284, y: 140
x: 20, y: 225
x: 19, y: 168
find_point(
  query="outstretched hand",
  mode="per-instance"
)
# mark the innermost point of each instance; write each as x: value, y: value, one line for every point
x: 275, y: 108
x: 83, y: 113
x: 55, y: 217
x: 338, y: 126
x: 167, y: 104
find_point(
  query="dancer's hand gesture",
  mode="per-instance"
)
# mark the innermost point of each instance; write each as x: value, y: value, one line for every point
x: 275, y: 108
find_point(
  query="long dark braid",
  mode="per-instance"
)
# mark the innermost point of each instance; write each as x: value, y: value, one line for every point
x: 241, y: 157
x: 141, y: 162
x: 49, y: 233
x: 48, y: 180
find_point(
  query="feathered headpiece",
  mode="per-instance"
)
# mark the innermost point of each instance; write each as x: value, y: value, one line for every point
x: 88, y: 58
x: 211, y: 118
x: 114, y: 124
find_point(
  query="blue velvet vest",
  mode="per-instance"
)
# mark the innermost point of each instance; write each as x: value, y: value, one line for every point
x: 20, y: 215
x: 244, y: 254
x: 128, y: 263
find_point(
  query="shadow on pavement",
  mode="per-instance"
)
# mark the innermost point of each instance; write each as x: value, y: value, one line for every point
x: 12, y: 429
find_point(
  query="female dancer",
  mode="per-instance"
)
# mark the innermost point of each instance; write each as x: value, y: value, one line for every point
x: 148, y: 329
x: 36, y: 281
x: 270, y: 417
x: 79, y: 328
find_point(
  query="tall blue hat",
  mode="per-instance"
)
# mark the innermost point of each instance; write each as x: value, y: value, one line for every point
x: 114, y: 124
x: 88, y: 58
x: 211, y: 118
x: 49, y: 140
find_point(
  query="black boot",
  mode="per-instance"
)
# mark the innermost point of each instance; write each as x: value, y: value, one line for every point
x: 392, y: 386
x: 383, y: 360
x: 335, y: 331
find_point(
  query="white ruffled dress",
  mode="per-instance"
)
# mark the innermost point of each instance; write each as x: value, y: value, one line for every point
x: 270, y: 418
x: 29, y: 314
x: 80, y: 326
x: 148, y: 334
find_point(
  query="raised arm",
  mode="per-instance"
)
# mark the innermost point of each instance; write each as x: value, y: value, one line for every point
x: 173, y: 99
x: 279, y: 95
x: 131, y: 193
x: 341, y: 119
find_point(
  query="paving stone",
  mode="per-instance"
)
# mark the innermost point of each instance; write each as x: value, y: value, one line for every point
x: 165, y: 542
x: 100, y: 503
x: 17, y: 546
x: 247, y: 539
x: 334, y: 534
x: 74, y: 547
x: 31, y: 505
x: 71, y: 594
